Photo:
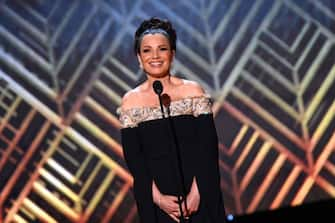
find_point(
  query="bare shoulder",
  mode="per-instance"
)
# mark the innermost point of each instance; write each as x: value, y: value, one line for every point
x: 192, y: 88
x: 130, y: 99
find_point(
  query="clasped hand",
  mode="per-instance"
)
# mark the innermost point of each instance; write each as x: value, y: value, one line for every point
x: 169, y: 204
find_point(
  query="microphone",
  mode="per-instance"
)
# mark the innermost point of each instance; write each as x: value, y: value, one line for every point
x: 166, y: 100
x: 158, y: 89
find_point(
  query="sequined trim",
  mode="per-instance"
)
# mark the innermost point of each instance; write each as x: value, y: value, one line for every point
x: 187, y: 106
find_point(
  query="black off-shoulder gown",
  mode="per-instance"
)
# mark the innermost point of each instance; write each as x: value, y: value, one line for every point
x: 149, y: 151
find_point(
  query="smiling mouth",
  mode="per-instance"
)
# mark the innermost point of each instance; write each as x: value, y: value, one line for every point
x: 156, y: 64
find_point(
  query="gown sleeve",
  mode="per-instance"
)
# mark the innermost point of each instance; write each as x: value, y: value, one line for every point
x: 208, y: 173
x: 142, y: 179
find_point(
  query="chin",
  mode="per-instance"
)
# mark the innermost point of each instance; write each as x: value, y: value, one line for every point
x: 158, y: 75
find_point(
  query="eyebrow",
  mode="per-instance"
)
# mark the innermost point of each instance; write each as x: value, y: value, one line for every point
x: 163, y: 45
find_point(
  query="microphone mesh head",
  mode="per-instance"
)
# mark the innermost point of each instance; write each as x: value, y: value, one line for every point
x: 158, y: 87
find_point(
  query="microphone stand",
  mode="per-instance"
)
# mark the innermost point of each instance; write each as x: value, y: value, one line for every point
x: 179, y: 160
x: 158, y: 88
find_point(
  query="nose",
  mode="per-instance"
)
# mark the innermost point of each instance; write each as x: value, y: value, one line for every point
x: 155, y: 53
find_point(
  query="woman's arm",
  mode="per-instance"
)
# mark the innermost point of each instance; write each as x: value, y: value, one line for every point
x: 168, y: 203
x: 142, y: 179
x: 208, y: 174
x: 192, y: 199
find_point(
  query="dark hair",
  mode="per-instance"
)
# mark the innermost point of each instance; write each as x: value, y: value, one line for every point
x: 155, y: 23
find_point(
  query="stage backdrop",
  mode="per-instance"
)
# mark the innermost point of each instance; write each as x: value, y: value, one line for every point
x: 65, y: 64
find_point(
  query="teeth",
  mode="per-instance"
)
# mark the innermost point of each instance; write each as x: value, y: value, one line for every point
x: 156, y: 62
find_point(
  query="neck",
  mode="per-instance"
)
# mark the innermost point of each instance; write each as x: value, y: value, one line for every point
x: 166, y: 81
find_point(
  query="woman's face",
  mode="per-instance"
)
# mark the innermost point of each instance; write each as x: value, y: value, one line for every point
x: 155, y: 55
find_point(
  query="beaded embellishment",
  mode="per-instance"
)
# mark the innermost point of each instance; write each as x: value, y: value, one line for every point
x: 187, y: 106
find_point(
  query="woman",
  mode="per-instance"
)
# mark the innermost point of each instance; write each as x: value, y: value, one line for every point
x: 173, y: 160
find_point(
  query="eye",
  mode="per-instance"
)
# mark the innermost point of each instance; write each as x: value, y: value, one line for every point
x: 163, y: 48
x: 145, y: 50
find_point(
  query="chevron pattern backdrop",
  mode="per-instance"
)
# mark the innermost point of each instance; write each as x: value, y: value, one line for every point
x: 64, y: 66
